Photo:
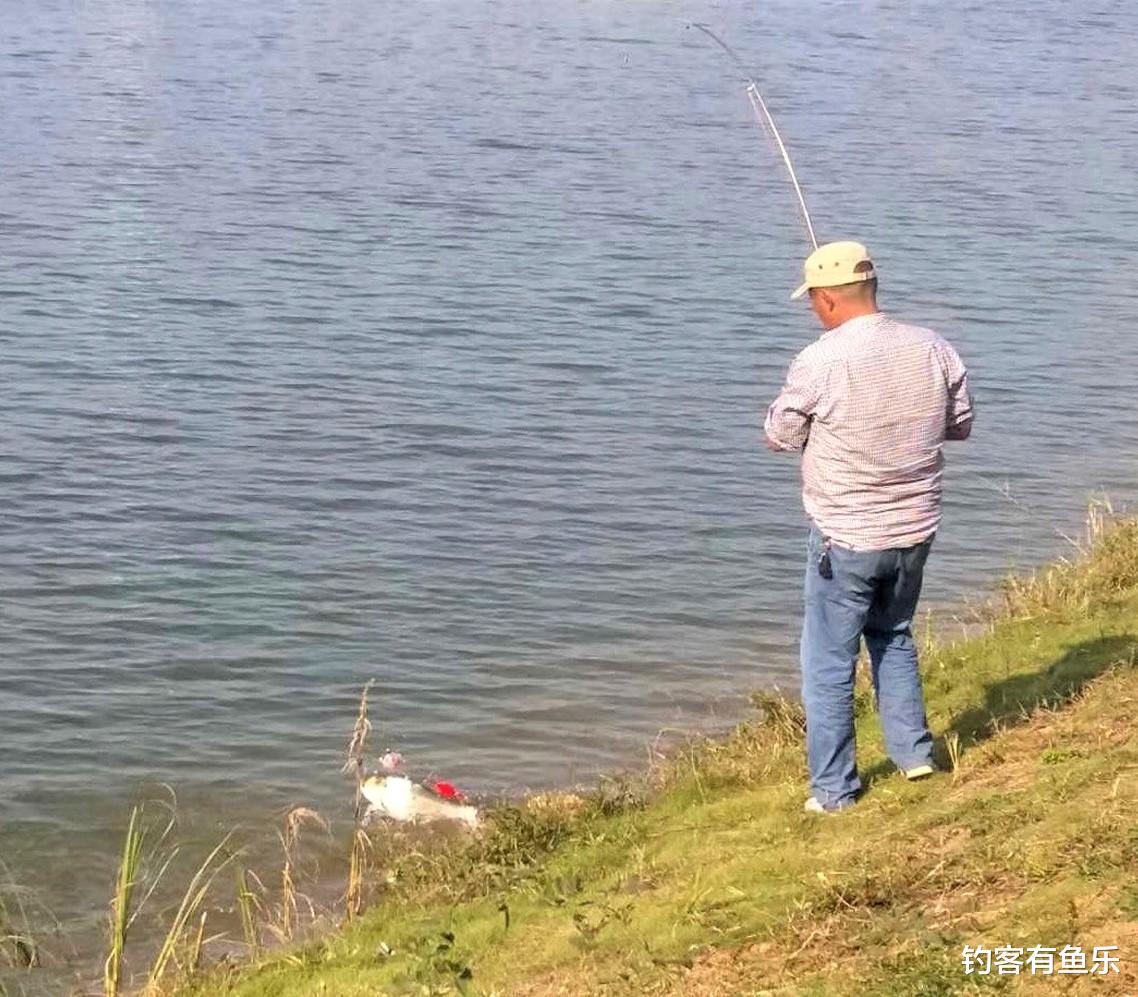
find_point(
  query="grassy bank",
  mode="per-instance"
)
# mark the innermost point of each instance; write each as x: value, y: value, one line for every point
x: 706, y: 878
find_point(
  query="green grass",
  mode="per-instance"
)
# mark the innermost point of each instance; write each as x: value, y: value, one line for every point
x: 704, y: 876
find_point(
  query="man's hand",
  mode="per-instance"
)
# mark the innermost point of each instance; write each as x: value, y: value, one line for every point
x: 961, y: 431
x: 774, y: 445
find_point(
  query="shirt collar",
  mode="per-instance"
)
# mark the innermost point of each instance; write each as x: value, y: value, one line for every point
x: 853, y: 323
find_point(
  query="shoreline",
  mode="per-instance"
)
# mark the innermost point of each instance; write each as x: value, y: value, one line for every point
x: 711, y: 722
x: 701, y: 874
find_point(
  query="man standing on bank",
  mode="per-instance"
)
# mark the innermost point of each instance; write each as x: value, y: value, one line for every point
x: 870, y: 404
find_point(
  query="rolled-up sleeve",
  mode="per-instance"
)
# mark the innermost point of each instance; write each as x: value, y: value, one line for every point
x: 959, y: 415
x: 787, y: 424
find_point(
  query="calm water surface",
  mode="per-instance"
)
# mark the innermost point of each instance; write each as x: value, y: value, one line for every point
x: 427, y: 343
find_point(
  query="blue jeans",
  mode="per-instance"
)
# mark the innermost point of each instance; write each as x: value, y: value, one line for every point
x: 872, y: 594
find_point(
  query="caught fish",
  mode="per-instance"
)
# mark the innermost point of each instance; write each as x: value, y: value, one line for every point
x: 398, y: 798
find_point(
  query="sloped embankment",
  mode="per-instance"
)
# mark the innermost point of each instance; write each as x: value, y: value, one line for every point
x: 708, y: 878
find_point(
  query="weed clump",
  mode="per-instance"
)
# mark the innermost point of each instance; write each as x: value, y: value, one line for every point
x: 784, y: 719
x: 18, y: 946
x: 757, y: 749
x: 1105, y: 566
x: 515, y: 841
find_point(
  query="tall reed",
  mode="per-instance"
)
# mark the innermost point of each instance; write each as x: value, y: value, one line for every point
x: 190, y: 907
x: 143, y: 863
x: 357, y: 745
x: 251, y: 908
x: 361, y: 845
x: 295, y: 820
x: 357, y: 870
x: 122, y: 914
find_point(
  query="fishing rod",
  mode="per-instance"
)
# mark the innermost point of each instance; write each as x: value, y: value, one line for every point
x: 766, y: 122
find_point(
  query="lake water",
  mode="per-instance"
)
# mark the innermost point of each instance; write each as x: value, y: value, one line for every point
x: 427, y: 343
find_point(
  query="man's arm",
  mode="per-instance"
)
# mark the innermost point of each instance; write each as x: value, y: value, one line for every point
x: 788, y: 419
x: 959, y: 413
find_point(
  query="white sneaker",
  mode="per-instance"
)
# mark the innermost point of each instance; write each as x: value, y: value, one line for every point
x: 812, y: 806
x: 919, y: 772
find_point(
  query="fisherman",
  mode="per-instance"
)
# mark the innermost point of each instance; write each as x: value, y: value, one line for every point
x: 869, y: 404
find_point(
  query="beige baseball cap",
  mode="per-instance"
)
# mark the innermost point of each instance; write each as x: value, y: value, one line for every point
x: 836, y: 263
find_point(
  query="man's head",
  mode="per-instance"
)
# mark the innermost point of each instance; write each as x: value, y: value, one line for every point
x: 841, y: 282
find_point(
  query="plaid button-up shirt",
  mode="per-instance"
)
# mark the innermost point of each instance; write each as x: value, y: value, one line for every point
x: 870, y: 404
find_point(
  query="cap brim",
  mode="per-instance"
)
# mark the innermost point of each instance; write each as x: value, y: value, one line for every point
x: 801, y: 291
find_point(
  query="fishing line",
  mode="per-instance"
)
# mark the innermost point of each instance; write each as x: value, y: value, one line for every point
x: 766, y: 123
